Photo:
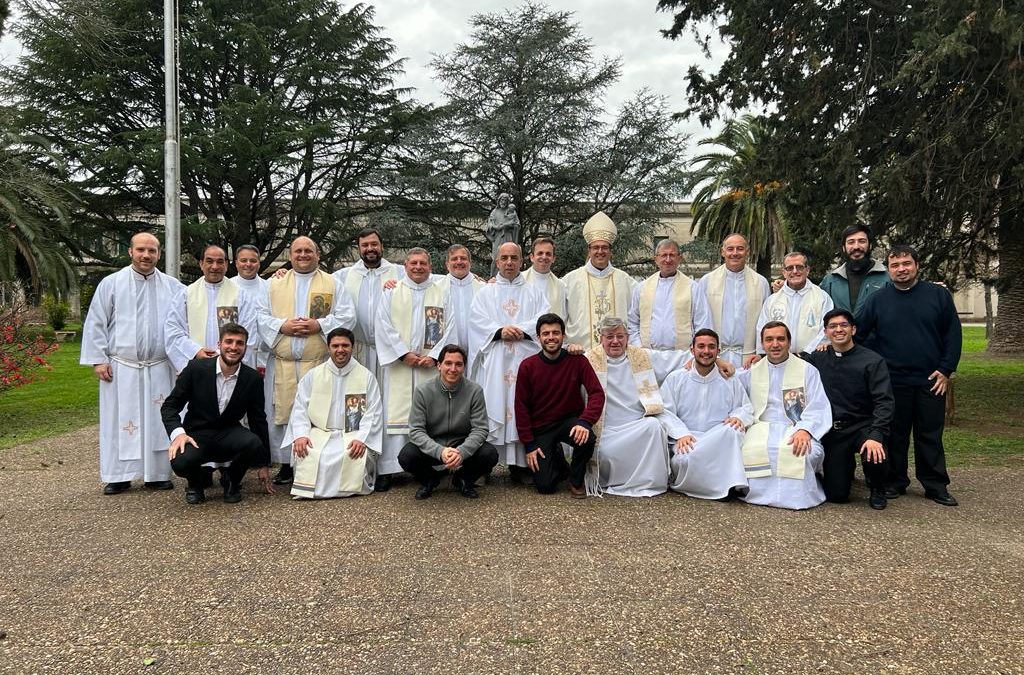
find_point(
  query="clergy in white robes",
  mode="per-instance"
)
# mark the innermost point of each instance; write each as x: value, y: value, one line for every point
x: 335, y: 430
x: 597, y: 289
x: 503, y: 332
x: 123, y: 340
x: 413, y: 325
x: 539, y: 274
x: 800, y: 304
x: 782, y: 451
x: 198, y: 312
x: 294, y: 316
x: 364, y: 281
x: 634, y: 430
x: 735, y: 294
x: 247, y: 264
x: 668, y: 307
x: 707, y: 459
x: 462, y: 286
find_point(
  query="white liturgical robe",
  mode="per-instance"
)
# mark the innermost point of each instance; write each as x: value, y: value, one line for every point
x: 633, y: 448
x: 802, y: 311
x: 663, y: 314
x: 738, y: 309
x: 397, y: 336
x: 504, y: 303
x: 124, y: 327
x: 552, y: 287
x: 180, y: 336
x: 815, y: 418
x: 593, y: 294
x: 462, y: 291
x: 340, y: 314
x: 365, y: 286
x: 363, y: 424
x: 702, y: 403
x: 256, y: 354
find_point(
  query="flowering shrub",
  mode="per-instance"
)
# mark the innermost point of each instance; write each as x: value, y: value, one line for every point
x: 21, y: 355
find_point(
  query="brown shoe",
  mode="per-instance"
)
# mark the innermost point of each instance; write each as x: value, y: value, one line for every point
x: 577, y: 492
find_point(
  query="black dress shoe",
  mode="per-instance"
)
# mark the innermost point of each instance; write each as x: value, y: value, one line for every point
x: 427, y: 489
x: 116, y: 488
x: 284, y: 475
x: 894, y: 493
x: 943, y: 498
x: 465, y: 488
x: 194, y: 496
x: 158, y: 485
x: 232, y: 491
x: 877, y: 500
x: 383, y: 484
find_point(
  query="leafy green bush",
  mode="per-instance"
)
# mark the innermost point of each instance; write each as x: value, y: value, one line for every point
x: 57, y: 312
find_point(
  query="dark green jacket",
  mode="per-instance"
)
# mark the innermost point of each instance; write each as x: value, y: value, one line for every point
x: 837, y: 286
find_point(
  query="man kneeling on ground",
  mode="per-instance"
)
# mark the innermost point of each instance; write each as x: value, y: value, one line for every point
x: 448, y: 429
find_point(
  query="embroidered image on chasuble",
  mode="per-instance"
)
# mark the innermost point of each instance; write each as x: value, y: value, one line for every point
x: 197, y: 307
x: 755, y: 444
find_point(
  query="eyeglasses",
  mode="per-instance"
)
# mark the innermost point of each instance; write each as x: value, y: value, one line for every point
x: 794, y: 268
x: 833, y: 326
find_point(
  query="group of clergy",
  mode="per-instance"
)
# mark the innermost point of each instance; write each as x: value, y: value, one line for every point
x: 690, y: 401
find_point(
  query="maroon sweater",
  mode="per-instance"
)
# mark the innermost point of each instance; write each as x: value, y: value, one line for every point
x: 549, y: 390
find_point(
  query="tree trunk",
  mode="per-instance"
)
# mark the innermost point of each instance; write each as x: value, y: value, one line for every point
x: 1007, y: 338
x: 988, y: 310
x: 764, y: 264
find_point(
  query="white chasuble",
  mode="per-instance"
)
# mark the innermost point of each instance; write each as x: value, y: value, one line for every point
x: 592, y: 295
x: 714, y: 465
x: 124, y: 328
x: 786, y: 398
x: 496, y: 361
x: 665, y: 312
x: 334, y: 407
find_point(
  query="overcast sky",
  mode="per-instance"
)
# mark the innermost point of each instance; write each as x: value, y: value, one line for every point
x: 625, y: 29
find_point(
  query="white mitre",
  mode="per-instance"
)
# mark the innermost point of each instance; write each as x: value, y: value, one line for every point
x: 600, y: 227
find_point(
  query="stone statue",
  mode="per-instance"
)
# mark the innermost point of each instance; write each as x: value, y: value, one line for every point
x: 502, y: 227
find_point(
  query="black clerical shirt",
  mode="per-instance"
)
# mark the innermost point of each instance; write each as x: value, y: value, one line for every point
x: 857, y: 385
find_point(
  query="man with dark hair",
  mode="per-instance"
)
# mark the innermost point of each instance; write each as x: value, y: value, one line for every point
x: 219, y: 392
x: 550, y: 410
x: 335, y: 427
x: 860, y: 275
x: 856, y: 381
x: 448, y: 429
x: 539, y: 274
x: 914, y: 326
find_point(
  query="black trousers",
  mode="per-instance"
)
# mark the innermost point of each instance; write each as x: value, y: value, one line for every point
x: 922, y: 413
x: 237, y: 445
x: 841, y: 449
x: 552, y: 468
x: 421, y: 465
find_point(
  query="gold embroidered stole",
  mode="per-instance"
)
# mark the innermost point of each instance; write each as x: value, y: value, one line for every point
x: 756, y: 463
x: 682, y: 299
x: 197, y: 309
x: 321, y: 401
x: 643, y: 376
x: 282, y: 306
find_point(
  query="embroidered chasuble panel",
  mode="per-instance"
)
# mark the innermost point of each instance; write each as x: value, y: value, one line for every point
x: 355, y: 408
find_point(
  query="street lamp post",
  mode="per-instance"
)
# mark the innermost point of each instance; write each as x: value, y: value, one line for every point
x: 172, y: 172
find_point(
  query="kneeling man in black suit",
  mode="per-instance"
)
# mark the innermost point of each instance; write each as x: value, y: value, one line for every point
x: 219, y: 392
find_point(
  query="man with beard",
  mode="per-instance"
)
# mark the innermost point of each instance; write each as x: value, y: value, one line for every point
x: 364, y: 283
x: 193, y: 325
x: 336, y: 450
x: 707, y: 458
x: 247, y: 264
x: 850, y: 284
x: 123, y: 341
x: 914, y: 326
x: 296, y: 334
x: 218, y: 392
x: 550, y: 410
x: 735, y: 295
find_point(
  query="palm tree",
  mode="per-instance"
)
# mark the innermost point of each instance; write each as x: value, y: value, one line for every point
x: 736, y: 193
x: 33, y: 213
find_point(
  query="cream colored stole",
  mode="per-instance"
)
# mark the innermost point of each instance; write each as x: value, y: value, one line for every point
x: 282, y: 306
x: 716, y: 298
x: 354, y: 282
x: 400, y: 376
x: 321, y: 400
x: 755, y: 443
x: 682, y: 299
x: 600, y: 299
x: 808, y: 324
x: 196, y: 308
x: 555, y: 291
x: 643, y: 376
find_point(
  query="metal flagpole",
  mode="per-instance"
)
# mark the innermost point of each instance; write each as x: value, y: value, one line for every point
x: 172, y: 172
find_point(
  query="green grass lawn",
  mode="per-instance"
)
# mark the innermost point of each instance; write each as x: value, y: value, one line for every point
x: 988, y: 428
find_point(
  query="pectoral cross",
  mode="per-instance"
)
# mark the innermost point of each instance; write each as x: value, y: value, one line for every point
x: 647, y: 388
x: 130, y: 428
x: 602, y: 305
x: 509, y: 378
x: 511, y: 307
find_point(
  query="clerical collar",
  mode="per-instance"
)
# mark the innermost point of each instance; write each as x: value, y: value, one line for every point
x: 509, y: 282
x: 607, y: 271
x: 778, y: 365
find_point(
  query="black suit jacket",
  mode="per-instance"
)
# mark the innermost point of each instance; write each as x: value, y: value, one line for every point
x: 197, y: 387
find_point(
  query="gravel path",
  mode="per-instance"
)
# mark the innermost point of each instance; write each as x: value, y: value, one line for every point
x: 513, y: 582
